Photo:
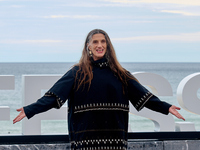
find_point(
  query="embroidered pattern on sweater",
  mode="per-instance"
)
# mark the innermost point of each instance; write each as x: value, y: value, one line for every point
x: 101, y: 106
x: 60, y: 102
x: 103, y: 64
x: 102, y: 148
x: 100, y: 144
x: 139, y: 105
x: 101, y: 130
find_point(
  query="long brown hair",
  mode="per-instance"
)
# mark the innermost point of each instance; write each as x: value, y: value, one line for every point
x: 85, y: 65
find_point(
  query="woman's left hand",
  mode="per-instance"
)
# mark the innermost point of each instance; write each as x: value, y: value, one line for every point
x: 173, y: 110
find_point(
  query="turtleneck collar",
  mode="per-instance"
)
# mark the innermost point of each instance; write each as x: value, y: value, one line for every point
x: 103, y: 62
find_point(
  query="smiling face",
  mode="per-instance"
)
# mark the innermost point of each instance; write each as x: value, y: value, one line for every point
x: 98, y: 46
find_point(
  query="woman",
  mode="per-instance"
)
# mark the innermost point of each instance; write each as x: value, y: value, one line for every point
x: 98, y: 91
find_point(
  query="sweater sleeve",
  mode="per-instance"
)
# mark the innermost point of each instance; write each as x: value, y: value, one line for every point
x: 43, y: 104
x: 140, y: 97
x: 63, y: 87
x: 155, y: 104
x: 55, y: 97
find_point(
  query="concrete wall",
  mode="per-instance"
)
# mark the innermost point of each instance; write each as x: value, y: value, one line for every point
x: 132, y: 145
x: 164, y: 145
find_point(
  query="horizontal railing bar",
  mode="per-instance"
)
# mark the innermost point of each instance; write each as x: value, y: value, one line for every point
x: 165, y: 135
x: 40, y: 139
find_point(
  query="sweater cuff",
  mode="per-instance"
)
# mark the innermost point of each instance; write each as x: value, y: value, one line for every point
x: 166, y: 108
x: 28, y: 113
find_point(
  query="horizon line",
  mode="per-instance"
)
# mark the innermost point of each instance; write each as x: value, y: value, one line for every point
x: 119, y: 62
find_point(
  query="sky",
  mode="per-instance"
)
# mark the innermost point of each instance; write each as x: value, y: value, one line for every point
x: 140, y: 30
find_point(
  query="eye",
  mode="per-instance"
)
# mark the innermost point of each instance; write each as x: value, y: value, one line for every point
x: 103, y: 41
x: 95, y: 42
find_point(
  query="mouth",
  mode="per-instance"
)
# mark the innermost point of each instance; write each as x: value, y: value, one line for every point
x: 99, y: 50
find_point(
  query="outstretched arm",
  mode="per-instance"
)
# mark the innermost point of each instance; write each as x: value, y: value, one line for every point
x: 140, y: 97
x: 173, y: 110
x: 160, y: 106
x: 54, y: 98
x: 20, y: 116
x: 43, y: 104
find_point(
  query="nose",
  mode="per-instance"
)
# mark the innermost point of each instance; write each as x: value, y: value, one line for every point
x: 99, y: 44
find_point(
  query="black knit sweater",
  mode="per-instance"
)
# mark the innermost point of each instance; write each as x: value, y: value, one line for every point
x: 98, y: 117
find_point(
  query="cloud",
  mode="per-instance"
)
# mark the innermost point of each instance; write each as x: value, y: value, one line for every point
x: 183, y: 37
x: 127, y: 18
x: 77, y: 16
x: 185, y: 13
x: 17, y: 6
x: 182, y: 7
x: 180, y: 2
x: 93, y: 4
x: 29, y: 41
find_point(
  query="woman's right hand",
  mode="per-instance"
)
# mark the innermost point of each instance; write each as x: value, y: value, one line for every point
x: 20, y: 116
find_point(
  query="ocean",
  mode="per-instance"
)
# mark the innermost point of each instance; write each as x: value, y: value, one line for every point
x: 173, y: 72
